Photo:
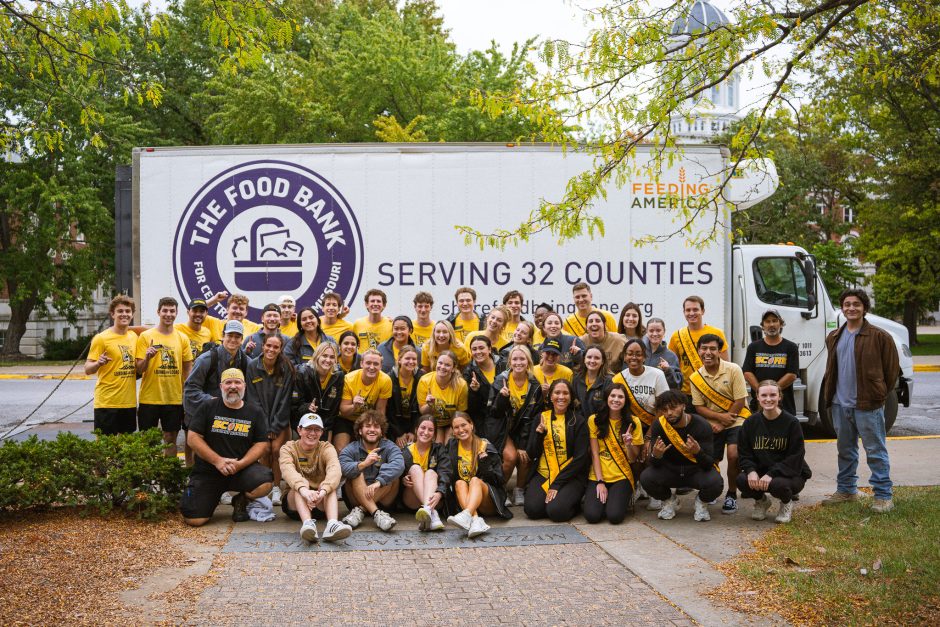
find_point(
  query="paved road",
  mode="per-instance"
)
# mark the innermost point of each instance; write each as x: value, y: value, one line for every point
x: 21, y: 397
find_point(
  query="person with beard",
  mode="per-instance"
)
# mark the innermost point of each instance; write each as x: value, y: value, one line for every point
x: 372, y: 467
x: 772, y: 357
x: 680, y: 457
x: 228, y: 436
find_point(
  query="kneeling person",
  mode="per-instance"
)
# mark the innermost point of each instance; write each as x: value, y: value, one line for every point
x: 681, y: 457
x: 311, y: 470
x: 372, y: 466
x: 228, y: 437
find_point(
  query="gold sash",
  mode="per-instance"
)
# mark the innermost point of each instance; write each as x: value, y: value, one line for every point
x: 714, y: 395
x: 614, y: 446
x: 688, y: 347
x: 636, y: 409
x: 677, y: 442
x: 551, y: 457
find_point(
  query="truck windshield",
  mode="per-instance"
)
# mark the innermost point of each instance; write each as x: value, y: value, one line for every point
x: 780, y: 281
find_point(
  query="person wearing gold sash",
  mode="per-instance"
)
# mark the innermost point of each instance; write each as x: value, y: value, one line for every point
x: 559, y: 450
x: 680, y: 457
x: 684, y: 341
x: 719, y: 395
x: 615, y: 440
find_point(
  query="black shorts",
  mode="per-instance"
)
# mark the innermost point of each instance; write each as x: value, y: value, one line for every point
x: 114, y: 420
x: 202, y: 493
x: 344, y: 425
x: 293, y: 514
x: 725, y: 437
x: 168, y: 417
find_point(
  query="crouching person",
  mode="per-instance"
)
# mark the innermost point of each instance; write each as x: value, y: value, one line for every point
x: 681, y: 457
x: 311, y: 470
x: 228, y: 437
x: 372, y: 467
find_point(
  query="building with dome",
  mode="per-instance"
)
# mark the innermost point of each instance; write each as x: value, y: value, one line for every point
x: 716, y: 109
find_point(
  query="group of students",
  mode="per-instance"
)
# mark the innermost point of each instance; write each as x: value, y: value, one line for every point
x: 589, y: 414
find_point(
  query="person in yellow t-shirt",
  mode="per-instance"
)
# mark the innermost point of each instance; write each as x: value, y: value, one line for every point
x: 549, y: 370
x: 193, y: 329
x: 693, y: 308
x: 288, y: 315
x: 442, y: 339
x: 512, y: 301
x: 332, y: 323
x: 363, y: 389
x: 611, y: 483
x: 443, y: 392
x: 237, y: 310
x: 423, y: 325
x: 465, y: 319
x: 163, y: 359
x: 374, y: 328
x: 495, y: 323
x: 111, y: 356
x: 576, y: 323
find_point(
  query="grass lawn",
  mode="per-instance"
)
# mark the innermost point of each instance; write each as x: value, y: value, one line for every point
x: 846, y: 565
x: 929, y: 344
x: 40, y: 363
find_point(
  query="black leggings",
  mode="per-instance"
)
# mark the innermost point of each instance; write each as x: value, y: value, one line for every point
x: 562, y: 508
x: 783, y: 488
x: 659, y: 481
x: 619, y: 499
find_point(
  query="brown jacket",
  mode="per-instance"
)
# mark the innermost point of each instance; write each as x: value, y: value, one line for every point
x: 317, y: 469
x: 876, y: 366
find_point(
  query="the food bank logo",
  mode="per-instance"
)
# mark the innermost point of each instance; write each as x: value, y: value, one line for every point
x: 265, y: 228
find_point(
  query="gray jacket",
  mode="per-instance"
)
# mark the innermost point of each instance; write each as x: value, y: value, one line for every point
x: 203, y: 382
x: 387, y: 469
x: 674, y: 374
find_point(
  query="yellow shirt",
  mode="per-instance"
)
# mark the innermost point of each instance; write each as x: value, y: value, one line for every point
x: 517, y: 394
x: 561, y: 372
x: 463, y: 327
x: 289, y: 329
x: 463, y: 357
x: 417, y: 457
x: 406, y: 395
x: 558, y: 435
x: 539, y: 337
x: 372, y: 334
x: 336, y: 329
x: 116, y: 387
x: 446, y: 400
x: 576, y: 325
x: 728, y: 381
x: 421, y: 334
x: 676, y: 346
x: 609, y: 467
x: 196, y: 338
x: 378, y: 389
x: 489, y: 374
x: 217, y: 325
x: 508, y: 331
x: 162, y: 382
x: 465, y: 460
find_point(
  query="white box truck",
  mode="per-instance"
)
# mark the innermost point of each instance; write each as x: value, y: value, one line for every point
x: 304, y: 220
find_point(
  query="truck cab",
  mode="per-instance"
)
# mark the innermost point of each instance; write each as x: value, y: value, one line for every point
x: 784, y: 277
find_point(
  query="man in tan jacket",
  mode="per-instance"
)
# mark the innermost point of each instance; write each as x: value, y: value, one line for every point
x: 311, y: 470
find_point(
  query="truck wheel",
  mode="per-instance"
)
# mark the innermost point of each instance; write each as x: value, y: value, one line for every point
x: 825, y: 421
x: 891, y: 410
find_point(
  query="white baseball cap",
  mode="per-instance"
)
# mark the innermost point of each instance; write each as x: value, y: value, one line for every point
x: 310, y: 420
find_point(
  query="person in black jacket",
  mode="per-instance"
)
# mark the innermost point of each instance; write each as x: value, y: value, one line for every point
x: 559, y: 453
x: 427, y: 475
x: 402, y: 409
x: 476, y: 478
x: 515, y: 400
x: 318, y: 389
x: 680, y: 457
x: 771, y: 455
x: 591, y: 380
x: 480, y: 374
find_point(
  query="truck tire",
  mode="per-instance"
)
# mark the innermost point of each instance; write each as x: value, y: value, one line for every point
x: 891, y: 414
x: 825, y: 420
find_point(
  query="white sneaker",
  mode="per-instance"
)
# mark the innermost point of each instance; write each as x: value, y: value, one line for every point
x: 760, y: 508
x: 462, y: 520
x: 640, y: 494
x: 355, y: 517
x: 383, y: 520
x: 226, y: 498
x: 436, y: 523
x: 701, y: 511
x: 477, y: 527
x: 423, y: 516
x: 308, y: 530
x: 276, y: 495
x: 654, y: 504
x: 336, y: 531
x: 669, y: 508
x: 518, y: 496
x: 785, y: 513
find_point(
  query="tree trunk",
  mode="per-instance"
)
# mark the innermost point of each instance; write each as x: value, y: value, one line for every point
x: 19, y: 316
x: 911, y: 313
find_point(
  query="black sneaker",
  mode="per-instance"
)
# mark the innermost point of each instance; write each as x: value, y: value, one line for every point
x: 730, y: 506
x: 240, y: 507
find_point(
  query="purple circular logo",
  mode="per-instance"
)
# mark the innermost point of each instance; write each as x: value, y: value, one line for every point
x: 264, y: 229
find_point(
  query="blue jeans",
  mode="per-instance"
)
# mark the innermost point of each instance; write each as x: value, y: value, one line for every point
x: 850, y: 423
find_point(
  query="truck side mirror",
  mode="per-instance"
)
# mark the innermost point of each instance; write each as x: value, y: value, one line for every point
x: 809, y: 273
x: 756, y: 332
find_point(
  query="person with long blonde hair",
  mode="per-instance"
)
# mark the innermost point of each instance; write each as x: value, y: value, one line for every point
x: 442, y: 339
x: 443, y: 392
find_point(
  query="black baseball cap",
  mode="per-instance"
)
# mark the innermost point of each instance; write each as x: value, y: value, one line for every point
x: 771, y: 312
x: 197, y: 303
x: 551, y: 346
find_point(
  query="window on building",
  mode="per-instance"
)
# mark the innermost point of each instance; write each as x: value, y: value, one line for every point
x: 3, y: 338
x: 66, y: 333
x: 716, y: 96
x: 731, y: 85
x: 848, y: 214
x: 50, y: 334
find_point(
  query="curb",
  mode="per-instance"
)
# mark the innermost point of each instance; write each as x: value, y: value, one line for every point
x: 46, y: 377
x: 926, y: 367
